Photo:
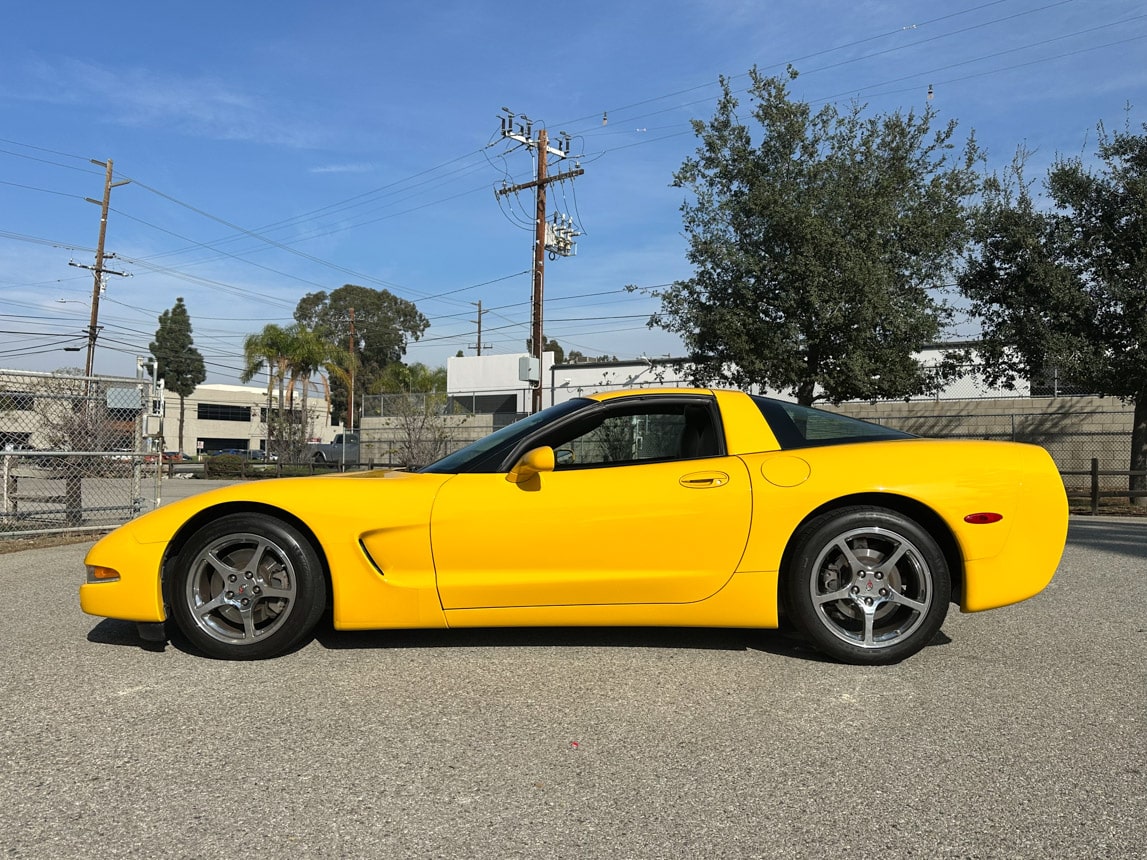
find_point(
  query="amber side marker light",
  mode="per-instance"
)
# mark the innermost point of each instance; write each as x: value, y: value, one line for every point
x: 102, y: 574
x: 983, y: 519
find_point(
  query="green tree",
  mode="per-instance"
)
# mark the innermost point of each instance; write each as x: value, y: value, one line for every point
x: 1065, y: 289
x: 548, y: 345
x: 417, y: 407
x: 289, y: 355
x: 178, y: 363
x: 383, y: 327
x: 399, y: 378
x: 309, y: 356
x: 817, y: 250
x: 579, y: 357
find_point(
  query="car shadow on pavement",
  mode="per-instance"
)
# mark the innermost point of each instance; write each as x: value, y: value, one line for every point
x: 111, y: 631
x: 689, y: 638
x: 779, y: 643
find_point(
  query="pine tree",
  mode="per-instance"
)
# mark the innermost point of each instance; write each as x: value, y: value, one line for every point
x: 178, y: 363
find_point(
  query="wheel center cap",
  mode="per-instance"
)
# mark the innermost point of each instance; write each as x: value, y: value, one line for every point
x: 869, y: 589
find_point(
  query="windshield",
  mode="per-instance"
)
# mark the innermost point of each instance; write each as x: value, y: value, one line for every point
x: 487, y: 453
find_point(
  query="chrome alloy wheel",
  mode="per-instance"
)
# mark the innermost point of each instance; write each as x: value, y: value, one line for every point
x: 871, y: 587
x: 241, y: 588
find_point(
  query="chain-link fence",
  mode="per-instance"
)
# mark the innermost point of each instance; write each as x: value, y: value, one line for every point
x: 76, y: 452
x: 412, y: 430
x: 72, y: 452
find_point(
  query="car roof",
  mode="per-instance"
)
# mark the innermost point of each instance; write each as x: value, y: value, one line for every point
x: 602, y: 396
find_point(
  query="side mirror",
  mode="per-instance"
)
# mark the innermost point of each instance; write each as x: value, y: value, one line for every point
x: 532, y: 463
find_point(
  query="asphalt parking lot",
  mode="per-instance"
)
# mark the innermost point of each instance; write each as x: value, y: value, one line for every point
x: 1019, y: 733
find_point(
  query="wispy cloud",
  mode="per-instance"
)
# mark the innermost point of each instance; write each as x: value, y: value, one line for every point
x: 343, y: 168
x: 201, y: 106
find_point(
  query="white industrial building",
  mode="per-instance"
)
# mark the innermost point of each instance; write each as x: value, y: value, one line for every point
x: 223, y: 417
x: 494, y: 383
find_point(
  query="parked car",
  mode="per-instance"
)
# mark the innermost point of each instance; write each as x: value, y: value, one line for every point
x: 678, y: 507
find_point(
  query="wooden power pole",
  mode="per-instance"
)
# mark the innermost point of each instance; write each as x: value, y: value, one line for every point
x: 523, y: 134
x: 98, y: 269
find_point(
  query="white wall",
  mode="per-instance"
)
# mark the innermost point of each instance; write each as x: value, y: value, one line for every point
x: 494, y: 374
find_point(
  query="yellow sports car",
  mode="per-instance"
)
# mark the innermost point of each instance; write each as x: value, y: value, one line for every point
x: 678, y: 507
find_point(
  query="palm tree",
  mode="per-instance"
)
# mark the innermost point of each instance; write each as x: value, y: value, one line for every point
x: 269, y: 348
x: 289, y: 355
x: 309, y: 355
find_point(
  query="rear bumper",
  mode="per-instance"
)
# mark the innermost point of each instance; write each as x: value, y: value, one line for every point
x: 1029, y: 558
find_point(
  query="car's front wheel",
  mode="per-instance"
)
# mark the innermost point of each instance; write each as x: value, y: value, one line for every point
x: 246, y: 587
x: 867, y: 585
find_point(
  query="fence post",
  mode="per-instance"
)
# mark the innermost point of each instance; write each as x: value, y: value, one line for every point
x: 1094, y: 486
x: 9, y: 485
x: 73, y: 499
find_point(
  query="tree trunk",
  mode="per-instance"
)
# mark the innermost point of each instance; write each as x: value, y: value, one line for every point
x: 1138, y: 483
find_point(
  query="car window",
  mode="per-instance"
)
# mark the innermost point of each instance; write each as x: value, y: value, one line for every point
x: 628, y: 432
x: 804, y: 427
x: 487, y: 454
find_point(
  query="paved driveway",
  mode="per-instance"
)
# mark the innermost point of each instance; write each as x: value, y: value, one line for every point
x: 1019, y: 733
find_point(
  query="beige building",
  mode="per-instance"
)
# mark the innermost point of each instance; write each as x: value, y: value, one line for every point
x: 226, y: 417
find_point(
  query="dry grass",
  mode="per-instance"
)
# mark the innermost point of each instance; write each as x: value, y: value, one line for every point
x: 1106, y: 510
x: 18, y: 544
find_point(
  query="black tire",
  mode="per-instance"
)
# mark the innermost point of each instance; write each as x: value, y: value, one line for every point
x: 319, y: 457
x: 867, y: 585
x: 247, y: 587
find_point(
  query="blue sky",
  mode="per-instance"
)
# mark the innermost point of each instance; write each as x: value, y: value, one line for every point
x: 279, y: 148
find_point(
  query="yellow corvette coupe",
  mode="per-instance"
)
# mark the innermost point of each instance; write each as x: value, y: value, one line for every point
x: 676, y: 507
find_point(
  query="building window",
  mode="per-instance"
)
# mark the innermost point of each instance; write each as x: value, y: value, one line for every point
x: 223, y: 412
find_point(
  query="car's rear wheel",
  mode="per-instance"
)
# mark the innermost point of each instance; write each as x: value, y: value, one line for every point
x: 246, y: 587
x: 867, y: 585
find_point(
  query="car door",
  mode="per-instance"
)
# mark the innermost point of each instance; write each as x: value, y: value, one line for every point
x: 641, y: 507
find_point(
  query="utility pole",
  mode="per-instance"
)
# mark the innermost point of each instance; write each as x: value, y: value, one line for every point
x: 479, y: 345
x: 522, y: 132
x: 98, y: 269
x: 348, y: 426
x: 350, y: 402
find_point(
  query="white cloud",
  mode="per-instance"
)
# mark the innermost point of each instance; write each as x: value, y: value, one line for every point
x: 343, y: 168
x: 139, y: 97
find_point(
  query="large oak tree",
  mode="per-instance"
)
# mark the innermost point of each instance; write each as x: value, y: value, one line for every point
x: 820, y: 243
x: 1064, y: 288
x: 383, y: 326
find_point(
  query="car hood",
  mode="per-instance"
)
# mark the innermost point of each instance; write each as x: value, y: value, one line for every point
x: 347, y: 499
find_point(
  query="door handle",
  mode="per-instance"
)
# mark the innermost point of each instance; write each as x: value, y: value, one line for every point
x: 704, y: 480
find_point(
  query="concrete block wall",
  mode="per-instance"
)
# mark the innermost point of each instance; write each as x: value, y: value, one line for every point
x: 1073, y: 429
